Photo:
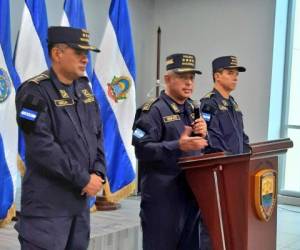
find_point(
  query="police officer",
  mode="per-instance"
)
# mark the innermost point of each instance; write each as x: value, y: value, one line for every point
x: 162, y: 130
x: 220, y: 110
x: 65, y: 164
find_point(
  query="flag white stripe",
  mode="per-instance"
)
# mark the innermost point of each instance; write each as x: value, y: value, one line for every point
x: 30, y: 59
x: 9, y: 128
x: 105, y: 70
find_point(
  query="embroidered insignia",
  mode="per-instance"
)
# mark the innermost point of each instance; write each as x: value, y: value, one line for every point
x: 206, y: 116
x: 209, y: 94
x: 235, y: 106
x: 28, y: 114
x: 225, y: 103
x: 37, y: 79
x: 5, y: 85
x: 89, y: 99
x: 86, y: 93
x: 265, y: 193
x: 64, y: 93
x: 64, y: 102
x: 148, y: 104
x: 221, y: 107
x: 171, y: 118
x: 118, y: 88
x: 175, y: 108
x: 139, y: 133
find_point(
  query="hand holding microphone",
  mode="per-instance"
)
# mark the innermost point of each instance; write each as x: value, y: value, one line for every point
x: 199, y: 124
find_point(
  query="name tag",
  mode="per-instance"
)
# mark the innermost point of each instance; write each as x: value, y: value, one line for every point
x: 171, y: 118
x: 64, y: 102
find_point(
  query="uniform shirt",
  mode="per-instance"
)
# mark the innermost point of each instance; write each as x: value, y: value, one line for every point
x: 224, y: 123
x: 157, y: 128
x: 167, y: 202
x: 63, y: 138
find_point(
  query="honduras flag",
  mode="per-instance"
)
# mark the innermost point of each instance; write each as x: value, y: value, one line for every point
x: 114, y: 87
x: 31, y: 54
x: 8, y: 126
x: 73, y: 16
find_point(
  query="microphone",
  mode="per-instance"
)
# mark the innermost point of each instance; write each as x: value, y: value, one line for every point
x: 197, y: 113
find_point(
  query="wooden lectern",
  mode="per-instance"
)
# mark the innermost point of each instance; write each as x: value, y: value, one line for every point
x: 237, y: 195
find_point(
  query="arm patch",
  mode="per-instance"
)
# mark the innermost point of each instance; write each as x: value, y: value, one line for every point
x: 29, y: 112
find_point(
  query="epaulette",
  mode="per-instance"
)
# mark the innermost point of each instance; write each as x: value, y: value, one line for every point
x: 39, y: 78
x: 147, y: 105
x: 209, y: 95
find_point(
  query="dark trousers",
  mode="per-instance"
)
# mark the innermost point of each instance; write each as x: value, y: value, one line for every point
x: 162, y: 231
x: 54, y: 233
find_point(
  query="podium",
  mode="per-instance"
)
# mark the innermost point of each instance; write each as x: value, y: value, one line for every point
x: 237, y: 195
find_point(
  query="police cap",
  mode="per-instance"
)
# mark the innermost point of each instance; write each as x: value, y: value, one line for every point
x: 182, y: 63
x: 226, y: 62
x: 73, y: 37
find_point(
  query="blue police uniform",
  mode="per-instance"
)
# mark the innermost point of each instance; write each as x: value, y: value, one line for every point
x: 224, y: 124
x: 169, y: 214
x: 63, y: 136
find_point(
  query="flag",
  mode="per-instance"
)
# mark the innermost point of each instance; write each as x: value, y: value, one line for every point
x: 31, y: 53
x: 8, y: 126
x: 114, y: 87
x: 73, y: 16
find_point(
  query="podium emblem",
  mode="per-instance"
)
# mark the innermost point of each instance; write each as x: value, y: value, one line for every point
x: 265, y: 193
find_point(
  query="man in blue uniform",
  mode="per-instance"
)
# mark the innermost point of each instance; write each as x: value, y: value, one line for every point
x: 162, y: 133
x: 65, y: 164
x: 221, y: 112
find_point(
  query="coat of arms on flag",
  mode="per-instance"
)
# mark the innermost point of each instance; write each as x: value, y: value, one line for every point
x: 118, y: 88
x: 5, y: 85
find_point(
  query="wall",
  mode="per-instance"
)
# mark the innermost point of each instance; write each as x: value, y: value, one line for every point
x: 212, y: 28
x: 206, y: 28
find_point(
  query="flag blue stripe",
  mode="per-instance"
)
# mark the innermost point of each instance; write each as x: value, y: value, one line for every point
x: 75, y: 13
x: 6, y: 184
x: 37, y: 9
x: 118, y: 14
x: 5, y: 41
x: 121, y: 173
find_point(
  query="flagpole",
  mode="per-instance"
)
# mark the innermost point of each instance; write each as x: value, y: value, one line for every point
x: 158, y: 62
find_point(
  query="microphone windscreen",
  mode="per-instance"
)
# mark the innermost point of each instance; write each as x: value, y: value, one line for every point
x: 196, y: 104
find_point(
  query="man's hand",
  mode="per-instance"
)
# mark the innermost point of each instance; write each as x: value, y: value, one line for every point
x: 200, y: 127
x: 188, y: 143
x: 94, y: 185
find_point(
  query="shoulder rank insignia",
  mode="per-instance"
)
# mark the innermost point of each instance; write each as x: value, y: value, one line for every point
x: 147, y: 105
x: 37, y: 79
x: 209, y: 94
